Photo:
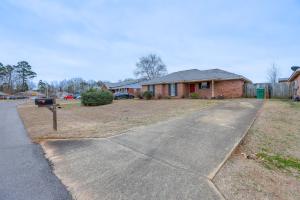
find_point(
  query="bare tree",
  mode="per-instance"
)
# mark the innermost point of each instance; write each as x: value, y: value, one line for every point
x: 273, y: 73
x: 150, y: 67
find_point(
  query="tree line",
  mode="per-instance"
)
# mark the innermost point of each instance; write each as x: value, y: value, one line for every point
x: 16, y: 78
x: 73, y: 86
x: 148, y: 67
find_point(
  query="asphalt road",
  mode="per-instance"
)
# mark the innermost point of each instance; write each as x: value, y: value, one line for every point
x: 24, y: 172
x: 166, y: 160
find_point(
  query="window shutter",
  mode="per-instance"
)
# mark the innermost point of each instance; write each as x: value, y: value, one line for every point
x: 199, y: 85
x: 169, y: 88
x: 153, y: 90
x: 175, y: 89
x: 208, y: 84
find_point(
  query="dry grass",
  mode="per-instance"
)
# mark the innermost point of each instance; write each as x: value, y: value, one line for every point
x: 76, y: 121
x: 275, y: 174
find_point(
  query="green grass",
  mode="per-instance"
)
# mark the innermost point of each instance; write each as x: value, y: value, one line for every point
x: 70, y: 105
x: 295, y: 104
x: 280, y: 162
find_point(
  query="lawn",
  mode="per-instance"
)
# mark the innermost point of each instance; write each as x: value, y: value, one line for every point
x: 76, y: 121
x: 274, y: 173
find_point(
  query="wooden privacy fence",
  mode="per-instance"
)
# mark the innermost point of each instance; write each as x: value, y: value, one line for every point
x: 277, y: 90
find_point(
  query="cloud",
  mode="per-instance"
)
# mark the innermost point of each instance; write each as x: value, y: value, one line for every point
x: 103, y: 39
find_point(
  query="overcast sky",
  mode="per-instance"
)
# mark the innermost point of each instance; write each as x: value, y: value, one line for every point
x: 103, y: 39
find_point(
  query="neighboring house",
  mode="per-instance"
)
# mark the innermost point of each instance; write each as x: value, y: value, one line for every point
x: 211, y: 83
x: 295, y: 79
x: 3, y: 95
x: 283, y: 80
x: 29, y: 94
x: 132, y: 87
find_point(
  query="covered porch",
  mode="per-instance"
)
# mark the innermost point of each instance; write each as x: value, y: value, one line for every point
x: 205, y: 89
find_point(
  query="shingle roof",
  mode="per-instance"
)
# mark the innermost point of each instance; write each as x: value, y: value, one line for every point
x: 196, y: 75
x: 283, y: 79
x: 3, y: 94
x: 119, y: 84
x: 133, y: 85
x: 125, y: 84
x: 294, y: 75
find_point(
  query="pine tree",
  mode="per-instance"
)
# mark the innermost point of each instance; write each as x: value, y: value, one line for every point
x: 24, y: 72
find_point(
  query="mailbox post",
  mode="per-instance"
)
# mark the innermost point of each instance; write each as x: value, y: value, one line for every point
x: 54, y: 114
x: 50, y: 103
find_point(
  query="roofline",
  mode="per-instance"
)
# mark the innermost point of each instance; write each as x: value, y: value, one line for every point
x: 121, y: 87
x: 121, y: 84
x: 293, y: 76
x: 193, y: 81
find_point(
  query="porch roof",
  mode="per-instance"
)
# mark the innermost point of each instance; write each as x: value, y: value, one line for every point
x: 3, y: 94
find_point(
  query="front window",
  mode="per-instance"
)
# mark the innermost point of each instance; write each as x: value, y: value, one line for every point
x: 204, y: 85
x: 151, y: 88
x: 173, y: 90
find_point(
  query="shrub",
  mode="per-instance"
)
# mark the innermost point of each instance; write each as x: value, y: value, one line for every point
x: 194, y: 95
x: 147, y: 95
x: 95, y: 97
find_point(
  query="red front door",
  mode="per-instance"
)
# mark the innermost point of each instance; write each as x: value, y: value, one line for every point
x: 192, y: 88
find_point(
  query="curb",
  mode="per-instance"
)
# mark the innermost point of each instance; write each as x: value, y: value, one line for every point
x: 217, y: 191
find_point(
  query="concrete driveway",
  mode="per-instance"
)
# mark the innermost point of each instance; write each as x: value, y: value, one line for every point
x: 167, y: 160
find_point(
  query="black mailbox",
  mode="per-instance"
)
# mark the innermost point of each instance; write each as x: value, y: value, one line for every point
x: 44, y: 102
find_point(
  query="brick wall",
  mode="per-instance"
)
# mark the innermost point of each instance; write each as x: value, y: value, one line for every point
x: 230, y: 88
x: 130, y: 91
x: 182, y: 90
x: 144, y: 88
x: 203, y: 93
x: 165, y: 90
x: 158, y: 90
x: 298, y: 81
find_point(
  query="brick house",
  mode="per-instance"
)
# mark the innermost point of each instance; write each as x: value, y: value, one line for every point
x: 211, y: 83
x: 295, y: 78
x: 131, y: 87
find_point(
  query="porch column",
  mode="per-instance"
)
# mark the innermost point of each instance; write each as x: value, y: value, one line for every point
x: 212, y: 89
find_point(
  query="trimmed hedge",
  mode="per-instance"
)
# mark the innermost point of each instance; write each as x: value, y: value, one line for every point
x: 147, y: 95
x: 95, y: 97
